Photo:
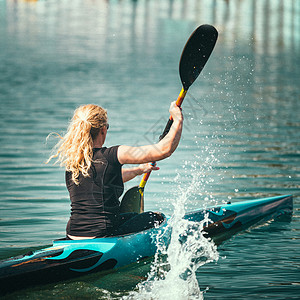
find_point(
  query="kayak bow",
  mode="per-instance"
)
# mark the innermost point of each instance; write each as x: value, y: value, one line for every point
x: 68, y: 259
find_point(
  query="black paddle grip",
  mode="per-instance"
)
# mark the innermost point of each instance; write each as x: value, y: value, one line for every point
x: 167, y: 129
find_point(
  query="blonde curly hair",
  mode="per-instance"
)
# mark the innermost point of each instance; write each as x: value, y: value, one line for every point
x: 75, y: 149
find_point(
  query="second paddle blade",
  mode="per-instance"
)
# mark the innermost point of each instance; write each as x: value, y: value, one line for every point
x: 132, y: 201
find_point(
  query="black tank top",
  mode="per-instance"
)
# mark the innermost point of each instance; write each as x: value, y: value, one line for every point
x: 95, y: 205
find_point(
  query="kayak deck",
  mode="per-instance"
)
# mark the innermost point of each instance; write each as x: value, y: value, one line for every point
x: 68, y: 259
x: 241, y: 215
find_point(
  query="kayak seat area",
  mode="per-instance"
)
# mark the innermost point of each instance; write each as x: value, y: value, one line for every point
x: 134, y: 222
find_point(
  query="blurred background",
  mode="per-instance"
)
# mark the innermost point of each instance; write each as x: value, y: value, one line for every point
x: 242, y: 127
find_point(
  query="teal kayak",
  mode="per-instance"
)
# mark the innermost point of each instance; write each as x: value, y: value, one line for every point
x: 67, y: 259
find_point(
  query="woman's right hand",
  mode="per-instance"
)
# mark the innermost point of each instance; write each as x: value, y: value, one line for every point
x: 176, y: 112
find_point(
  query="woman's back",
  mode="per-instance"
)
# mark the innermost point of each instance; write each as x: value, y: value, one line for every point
x: 95, y: 200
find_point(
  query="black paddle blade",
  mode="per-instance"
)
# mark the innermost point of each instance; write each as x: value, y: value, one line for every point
x: 196, y: 53
x: 132, y: 201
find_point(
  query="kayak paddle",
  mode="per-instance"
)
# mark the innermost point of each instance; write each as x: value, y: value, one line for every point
x: 194, y: 56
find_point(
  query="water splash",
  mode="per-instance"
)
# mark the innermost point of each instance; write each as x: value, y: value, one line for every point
x: 173, y: 272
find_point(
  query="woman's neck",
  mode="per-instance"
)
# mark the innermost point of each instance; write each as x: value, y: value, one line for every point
x: 99, y: 140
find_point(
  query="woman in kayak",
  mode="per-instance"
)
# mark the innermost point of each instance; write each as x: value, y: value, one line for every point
x: 95, y: 177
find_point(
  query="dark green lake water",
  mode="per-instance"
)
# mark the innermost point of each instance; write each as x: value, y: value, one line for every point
x: 241, y: 134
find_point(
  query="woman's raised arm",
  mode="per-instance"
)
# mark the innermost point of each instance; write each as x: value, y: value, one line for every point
x: 163, y: 149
